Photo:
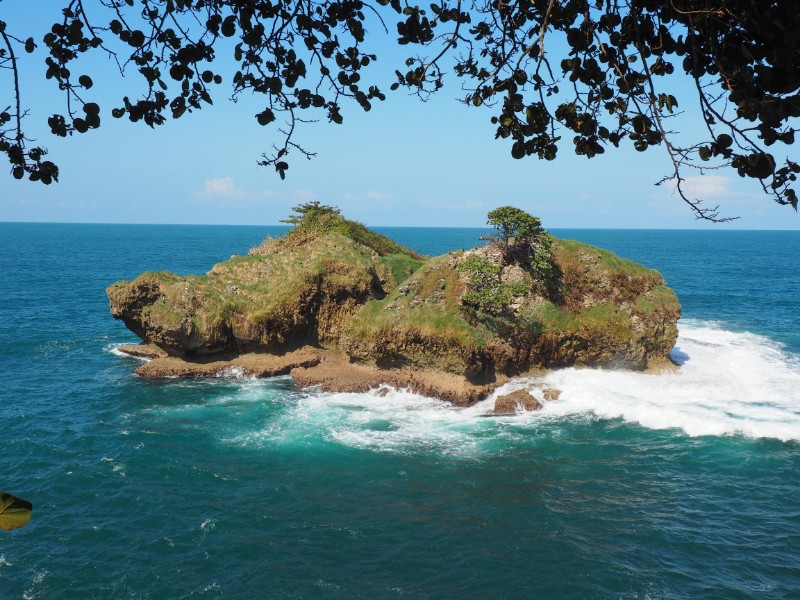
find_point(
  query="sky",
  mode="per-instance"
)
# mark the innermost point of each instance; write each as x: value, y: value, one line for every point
x: 405, y: 163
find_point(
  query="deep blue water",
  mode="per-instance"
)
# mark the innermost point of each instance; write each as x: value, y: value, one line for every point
x: 684, y: 485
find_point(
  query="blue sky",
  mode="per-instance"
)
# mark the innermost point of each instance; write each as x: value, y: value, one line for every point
x: 406, y: 163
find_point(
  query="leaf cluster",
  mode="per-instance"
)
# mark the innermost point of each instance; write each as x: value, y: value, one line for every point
x: 299, y: 56
x: 309, y: 212
x: 525, y: 242
x: 511, y: 222
x: 610, y: 86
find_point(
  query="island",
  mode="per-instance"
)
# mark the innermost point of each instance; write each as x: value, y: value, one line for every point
x: 341, y: 307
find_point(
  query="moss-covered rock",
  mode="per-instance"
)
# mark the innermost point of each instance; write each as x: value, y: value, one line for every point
x: 279, y: 297
x: 603, y: 311
x: 485, y: 314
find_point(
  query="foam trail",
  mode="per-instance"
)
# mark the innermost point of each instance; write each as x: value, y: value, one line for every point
x: 385, y: 419
x: 115, y: 350
x: 728, y: 383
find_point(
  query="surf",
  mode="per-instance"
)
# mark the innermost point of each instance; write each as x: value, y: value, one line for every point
x: 728, y: 383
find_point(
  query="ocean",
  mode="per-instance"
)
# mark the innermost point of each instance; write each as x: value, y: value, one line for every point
x: 681, y: 485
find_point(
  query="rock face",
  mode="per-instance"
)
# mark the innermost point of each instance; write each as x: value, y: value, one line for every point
x: 277, y: 299
x: 604, y: 312
x: 481, y: 315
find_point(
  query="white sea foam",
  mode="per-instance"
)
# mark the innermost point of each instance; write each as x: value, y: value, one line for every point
x: 31, y: 593
x: 116, y: 467
x: 233, y: 372
x: 728, y: 384
x: 384, y: 419
x: 208, y: 525
x: 115, y: 350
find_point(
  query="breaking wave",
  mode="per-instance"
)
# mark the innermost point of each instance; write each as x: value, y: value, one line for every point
x: 728, y: 383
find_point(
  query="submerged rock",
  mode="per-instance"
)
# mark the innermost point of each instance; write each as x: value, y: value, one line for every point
x: 479, y: 316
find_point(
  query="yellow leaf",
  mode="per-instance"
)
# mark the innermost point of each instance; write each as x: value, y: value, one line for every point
x: 14, y: 512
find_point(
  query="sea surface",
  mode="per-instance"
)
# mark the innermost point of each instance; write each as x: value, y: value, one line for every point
x: 683, y: 485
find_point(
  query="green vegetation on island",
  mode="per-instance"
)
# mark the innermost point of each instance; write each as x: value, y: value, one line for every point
x: 523, y: 301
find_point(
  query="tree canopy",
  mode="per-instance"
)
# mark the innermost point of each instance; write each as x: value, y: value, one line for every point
x: 590, y: 74
x: 309, y: 211
x: 512, y: 222
x: 524, y: 241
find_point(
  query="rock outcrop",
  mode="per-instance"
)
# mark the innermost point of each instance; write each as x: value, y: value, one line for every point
x: 278, y: 298
x: 603, y: 311
x: 355, y: 309
x: 516, y: 401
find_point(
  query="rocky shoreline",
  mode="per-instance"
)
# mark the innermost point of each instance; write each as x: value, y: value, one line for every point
x: 331, y: 371
x: 328, y: 370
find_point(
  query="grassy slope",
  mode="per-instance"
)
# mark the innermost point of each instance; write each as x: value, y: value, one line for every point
x: 600, y: 292
x: 270, y: 281
x: 428, y: 303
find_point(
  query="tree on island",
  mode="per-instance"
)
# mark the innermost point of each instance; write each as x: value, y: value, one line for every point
x: 593, y: 73
x: 514, y: 223
x: 310, y: 211
x: 523, y: 240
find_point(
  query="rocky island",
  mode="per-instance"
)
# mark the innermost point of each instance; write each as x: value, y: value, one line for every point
x: 341, y: 307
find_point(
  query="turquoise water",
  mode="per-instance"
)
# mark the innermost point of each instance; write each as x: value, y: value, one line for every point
x: 628, y: 486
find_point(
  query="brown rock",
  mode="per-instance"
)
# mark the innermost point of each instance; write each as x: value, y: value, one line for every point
x: 142, y: 350
x: 249, y: 365
x: 530, y: 403
x: 505, y: 405
x: 551, y: 394
x: 511, y: 403
x: 338, y: 375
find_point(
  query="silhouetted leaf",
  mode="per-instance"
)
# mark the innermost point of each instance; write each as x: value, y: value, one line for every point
x: 14, y: 512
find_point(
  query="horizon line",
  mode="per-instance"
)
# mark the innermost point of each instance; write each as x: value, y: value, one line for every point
x: 286, y: 226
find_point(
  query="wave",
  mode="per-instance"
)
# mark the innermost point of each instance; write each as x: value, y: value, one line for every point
x: 115, y: 350
x: 729, y: 383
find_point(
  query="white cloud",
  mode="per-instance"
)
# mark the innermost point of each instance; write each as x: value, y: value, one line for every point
x: 221, y: 187
x: 379, y: 196
x: 347, y: 197
x: 304, y: 194
x: 706, y: 186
